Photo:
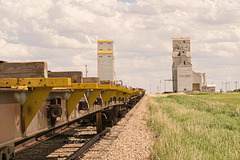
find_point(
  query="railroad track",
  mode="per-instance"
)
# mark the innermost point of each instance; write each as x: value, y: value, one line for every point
x: 69, y: 144
x: 72, y: 142
x: 104, y: 145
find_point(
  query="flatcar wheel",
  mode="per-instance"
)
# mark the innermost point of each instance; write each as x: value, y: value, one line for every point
x: 99, y: 122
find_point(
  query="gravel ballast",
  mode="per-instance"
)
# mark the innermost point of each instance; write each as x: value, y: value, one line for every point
x: 129, y: 139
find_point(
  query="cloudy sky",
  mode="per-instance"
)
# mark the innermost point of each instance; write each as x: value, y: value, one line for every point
x: 65, y: 33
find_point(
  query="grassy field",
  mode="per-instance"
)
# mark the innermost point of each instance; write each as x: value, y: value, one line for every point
x: 199, y: 126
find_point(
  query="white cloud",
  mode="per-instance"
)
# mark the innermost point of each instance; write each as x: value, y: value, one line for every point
x: 141, y: 9
x: 65, y: 33
x: 9, y: 51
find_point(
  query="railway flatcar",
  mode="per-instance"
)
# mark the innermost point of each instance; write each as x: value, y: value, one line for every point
x: 34, y: 101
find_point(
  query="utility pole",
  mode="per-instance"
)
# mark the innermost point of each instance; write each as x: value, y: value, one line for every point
x: 236, y: 84
x: 165, y: 87
x: 157, y: 89
x: 160, y: 87
x: 222, y: 86
x: 86, y: 70
x: 225, y: 86
x: 150, y: 89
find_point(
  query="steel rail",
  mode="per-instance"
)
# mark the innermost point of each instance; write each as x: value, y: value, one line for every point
x: 37, y: 135
x: 87, y: 145
x: 81, y: 150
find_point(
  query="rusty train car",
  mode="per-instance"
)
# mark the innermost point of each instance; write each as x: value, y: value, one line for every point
x: 34, y: 101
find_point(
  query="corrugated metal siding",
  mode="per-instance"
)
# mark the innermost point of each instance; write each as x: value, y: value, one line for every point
x: 105, y: 66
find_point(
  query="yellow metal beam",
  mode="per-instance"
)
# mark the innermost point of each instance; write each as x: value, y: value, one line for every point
x: 136, y: 92
x: 105, y: 40
x: 107, y: 95
x: 84, y: 86
x: 119, y: 94
x: 93, y: 96
x: 35, y: 82
x: 112, y: 95
x: 133, y: 93
x: 129, y: 92
x: 125, y: 95
x: 120, y: 88
x: 33, y: 104
x: 42, y: 88
x: 74, y: 99
x: 104, y: 86
x: 125, y: 90
x: 105, y: 52
x: 114, y: 88
x: 95, y: 93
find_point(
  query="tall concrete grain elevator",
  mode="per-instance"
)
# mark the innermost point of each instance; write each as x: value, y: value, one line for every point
x: 105, y: 60
x: 183, y: 77
x: 182, y: 66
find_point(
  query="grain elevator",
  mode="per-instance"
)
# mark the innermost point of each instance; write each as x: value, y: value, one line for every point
x: 105, y: 59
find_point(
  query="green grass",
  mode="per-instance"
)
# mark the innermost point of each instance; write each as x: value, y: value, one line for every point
x: 198, y: 93
x: 196, y: 127
x: 231, y: 98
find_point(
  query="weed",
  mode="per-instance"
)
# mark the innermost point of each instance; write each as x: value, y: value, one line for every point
x: 195, y: 127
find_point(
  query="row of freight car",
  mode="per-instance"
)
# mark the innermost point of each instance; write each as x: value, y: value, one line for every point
x: 34, y: 101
